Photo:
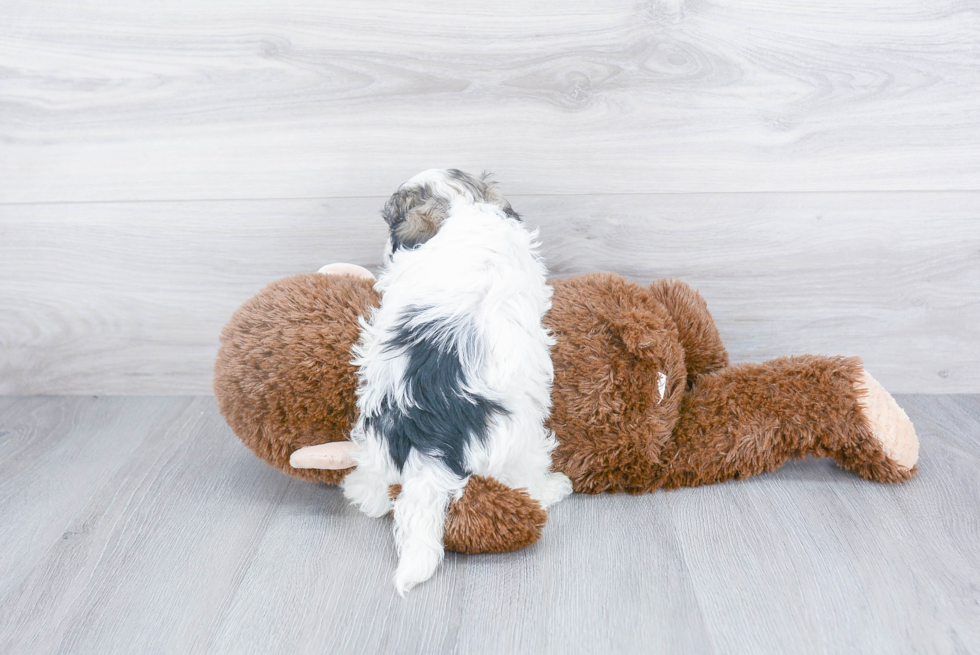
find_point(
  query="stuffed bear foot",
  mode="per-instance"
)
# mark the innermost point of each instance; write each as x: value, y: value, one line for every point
x: 888, y: 422
x: 491, y: 517
x: 347, y: 269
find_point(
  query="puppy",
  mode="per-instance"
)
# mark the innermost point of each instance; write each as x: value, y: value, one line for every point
x: 454, y: 366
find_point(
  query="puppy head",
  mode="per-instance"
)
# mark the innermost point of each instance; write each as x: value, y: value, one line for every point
x: 415, y: 212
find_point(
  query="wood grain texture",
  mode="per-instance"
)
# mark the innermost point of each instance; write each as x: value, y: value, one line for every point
x: 835, y: 565
x: 173, y: 523
x: 169, y: 536
x: 256, y: 99
x: 49, y: 470
x: 129, y: 298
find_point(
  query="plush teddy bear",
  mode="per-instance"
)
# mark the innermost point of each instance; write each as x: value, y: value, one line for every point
x: 643, y: 399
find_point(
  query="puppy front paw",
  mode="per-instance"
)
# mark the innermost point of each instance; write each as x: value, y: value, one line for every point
x: 556, y: 487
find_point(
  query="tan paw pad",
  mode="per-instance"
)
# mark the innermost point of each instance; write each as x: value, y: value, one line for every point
x: 889, y: 422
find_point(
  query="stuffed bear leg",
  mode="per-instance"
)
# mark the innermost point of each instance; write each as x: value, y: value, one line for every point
x: 752, y: 418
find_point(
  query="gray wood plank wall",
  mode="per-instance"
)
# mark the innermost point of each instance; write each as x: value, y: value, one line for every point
x: 812, y: 167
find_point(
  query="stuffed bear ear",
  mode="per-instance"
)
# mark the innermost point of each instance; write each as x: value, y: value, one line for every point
x: 332, y: 456
x: 346, y: 269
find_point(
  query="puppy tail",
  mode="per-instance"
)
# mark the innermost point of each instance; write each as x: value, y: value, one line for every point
x: 420, y: 518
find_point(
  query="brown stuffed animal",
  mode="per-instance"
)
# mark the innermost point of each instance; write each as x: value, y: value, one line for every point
x: 643, y: 398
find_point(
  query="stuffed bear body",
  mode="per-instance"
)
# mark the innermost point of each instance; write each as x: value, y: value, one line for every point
x: 643, y: 397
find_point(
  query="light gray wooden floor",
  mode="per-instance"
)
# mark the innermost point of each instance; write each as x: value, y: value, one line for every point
x: 136, y: 525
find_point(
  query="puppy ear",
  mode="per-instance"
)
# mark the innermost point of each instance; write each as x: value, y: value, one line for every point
x: 423, y: 221
x: 395, y: 209
x: 414, y: 215
x: 492, y: 194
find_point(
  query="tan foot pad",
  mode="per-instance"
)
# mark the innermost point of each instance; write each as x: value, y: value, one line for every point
x: 332, y: 456
x: 347, y: 269
x: 889, y: 422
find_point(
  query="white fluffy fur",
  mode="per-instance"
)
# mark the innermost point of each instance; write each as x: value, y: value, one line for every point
x: 485, y: 268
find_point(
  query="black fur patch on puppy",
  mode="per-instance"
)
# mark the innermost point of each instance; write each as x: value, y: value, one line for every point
x: 443, y: 418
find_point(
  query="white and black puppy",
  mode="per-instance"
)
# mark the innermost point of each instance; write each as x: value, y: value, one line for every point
x: 454, y: 366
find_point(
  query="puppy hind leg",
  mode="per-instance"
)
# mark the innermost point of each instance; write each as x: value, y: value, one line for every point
x: 420, y: 518
x: 549, y: 488
x: 369, y: 492
x: 367, y: 485
x: 529, y: 467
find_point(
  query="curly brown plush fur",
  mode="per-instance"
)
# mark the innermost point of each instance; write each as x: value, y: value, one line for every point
x: 283, y: 380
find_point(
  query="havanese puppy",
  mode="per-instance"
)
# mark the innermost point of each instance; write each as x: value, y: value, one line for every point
x: 454, y: 366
